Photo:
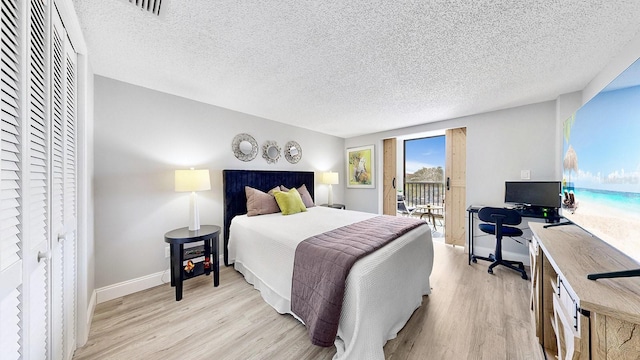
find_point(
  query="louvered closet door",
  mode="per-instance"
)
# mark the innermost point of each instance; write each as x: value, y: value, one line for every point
x: 34, y: 199
x: 57, y: 184
x: 63, y: 192
x: 70, y: 202
x: 38, y: 178
x: 10, y: 151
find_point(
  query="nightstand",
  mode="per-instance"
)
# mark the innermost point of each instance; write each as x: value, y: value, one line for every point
x: 194, y: 261
x: 335, y: 206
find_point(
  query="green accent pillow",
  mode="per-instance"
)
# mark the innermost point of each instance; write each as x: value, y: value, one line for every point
x: 289, y: 202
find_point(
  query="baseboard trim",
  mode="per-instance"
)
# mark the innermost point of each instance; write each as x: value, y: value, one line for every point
x: 124, y: 288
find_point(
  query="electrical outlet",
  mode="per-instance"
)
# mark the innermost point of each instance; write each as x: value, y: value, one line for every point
x: 167, y: 251
x: 525, y: 174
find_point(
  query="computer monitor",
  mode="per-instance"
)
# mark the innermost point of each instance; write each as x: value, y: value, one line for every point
x: 544, y: 194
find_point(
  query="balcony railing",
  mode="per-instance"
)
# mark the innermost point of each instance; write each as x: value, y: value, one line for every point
x: 423, y: 193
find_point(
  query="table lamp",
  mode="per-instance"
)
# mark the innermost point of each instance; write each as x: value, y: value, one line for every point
x: 193, y: 180
x: 330, y: 178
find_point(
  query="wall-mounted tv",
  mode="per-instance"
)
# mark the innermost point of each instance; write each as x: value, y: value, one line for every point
x: 601, y: 164
x: 544, y: 194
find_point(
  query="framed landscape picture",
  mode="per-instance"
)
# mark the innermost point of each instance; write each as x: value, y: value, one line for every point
x: 360, y: 167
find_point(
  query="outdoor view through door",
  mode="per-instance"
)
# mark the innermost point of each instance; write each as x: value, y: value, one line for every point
x: 423, y: 190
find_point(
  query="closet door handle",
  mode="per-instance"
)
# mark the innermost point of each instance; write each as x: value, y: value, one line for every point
x: 44, y: 255
x: 393, y: 183
x: 448, y: 184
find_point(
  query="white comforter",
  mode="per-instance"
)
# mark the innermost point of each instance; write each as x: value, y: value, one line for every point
x: 382, y: 289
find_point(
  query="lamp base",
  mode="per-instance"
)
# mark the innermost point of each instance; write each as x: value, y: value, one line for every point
x: 330, y: 199
x: 194, y: 214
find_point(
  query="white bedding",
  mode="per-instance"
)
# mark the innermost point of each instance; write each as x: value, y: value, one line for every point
x: 382, y: 289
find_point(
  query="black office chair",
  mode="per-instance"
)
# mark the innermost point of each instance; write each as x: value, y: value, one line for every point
x: 495, y: 220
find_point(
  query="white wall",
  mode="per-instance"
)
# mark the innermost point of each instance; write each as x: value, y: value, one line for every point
x: 141, y: 137
x: 499, y: 145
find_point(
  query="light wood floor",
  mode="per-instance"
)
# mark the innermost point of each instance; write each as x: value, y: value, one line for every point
x: 469, y: 315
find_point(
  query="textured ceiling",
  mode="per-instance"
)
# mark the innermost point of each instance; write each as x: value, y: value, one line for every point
x: 348, y: 68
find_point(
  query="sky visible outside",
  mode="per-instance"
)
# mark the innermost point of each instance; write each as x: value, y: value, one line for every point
x: 425, y: 152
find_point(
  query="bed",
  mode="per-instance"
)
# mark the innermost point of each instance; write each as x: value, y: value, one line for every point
x: 382, y: 290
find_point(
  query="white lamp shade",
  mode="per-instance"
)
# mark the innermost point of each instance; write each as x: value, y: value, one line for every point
x: 330, y: 178
x: 192, y: 180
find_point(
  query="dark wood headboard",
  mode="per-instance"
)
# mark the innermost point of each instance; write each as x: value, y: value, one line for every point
x: 235, y: 200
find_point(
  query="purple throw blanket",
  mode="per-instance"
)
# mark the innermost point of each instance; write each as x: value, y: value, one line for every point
x: 322, y: 263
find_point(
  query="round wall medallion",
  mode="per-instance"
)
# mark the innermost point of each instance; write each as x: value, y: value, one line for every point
x: 271, y: 152
x: 292, y: 152
x: 244, y: 147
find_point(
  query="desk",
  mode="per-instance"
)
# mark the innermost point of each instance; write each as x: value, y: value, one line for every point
x: 578, y: 318
x: 550, y: 217
x: 177, y: 238
x: 429, y: 213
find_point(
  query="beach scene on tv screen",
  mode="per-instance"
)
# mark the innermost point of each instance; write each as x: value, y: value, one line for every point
x: 601, y: 168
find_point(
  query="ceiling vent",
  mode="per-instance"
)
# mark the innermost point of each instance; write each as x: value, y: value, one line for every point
x: 148, y: 5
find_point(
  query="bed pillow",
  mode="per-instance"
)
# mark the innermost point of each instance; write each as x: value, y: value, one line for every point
x: 304, y: 194
x: 260, y: 203
x: 289, y: 202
